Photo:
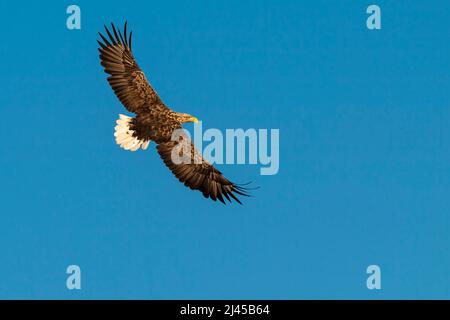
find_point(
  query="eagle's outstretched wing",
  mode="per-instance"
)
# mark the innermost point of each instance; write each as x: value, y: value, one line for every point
x: 126, y: 78
x: 197, y: 173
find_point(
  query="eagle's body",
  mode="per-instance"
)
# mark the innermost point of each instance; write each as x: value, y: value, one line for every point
x: 154, y: 121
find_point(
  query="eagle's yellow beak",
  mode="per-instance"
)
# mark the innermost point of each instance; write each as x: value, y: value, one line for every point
x: 194, y: 119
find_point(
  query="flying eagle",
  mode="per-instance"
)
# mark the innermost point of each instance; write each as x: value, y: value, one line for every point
x: 154, y: 121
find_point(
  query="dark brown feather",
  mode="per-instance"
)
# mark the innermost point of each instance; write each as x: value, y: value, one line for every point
x: 126, y: 77
x: 200, y: 176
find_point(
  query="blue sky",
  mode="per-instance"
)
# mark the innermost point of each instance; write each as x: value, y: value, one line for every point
x: 364, y: 152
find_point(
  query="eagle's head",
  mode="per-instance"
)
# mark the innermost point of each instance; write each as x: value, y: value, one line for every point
x: 185, y: 117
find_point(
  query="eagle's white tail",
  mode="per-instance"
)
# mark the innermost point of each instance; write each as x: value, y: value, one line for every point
x: 124, y: 135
